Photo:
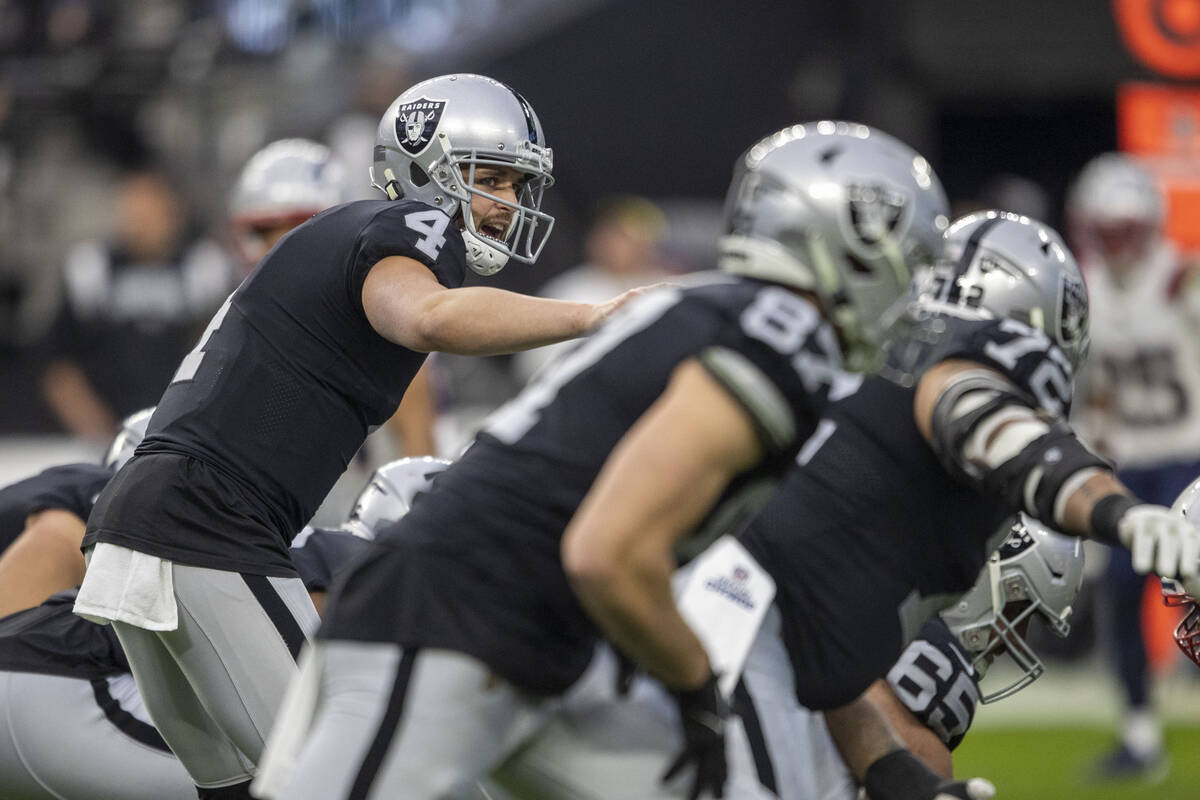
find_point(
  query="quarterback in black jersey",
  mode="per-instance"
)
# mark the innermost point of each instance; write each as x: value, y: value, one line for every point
x: 314, y: 348
x: 462, y: 623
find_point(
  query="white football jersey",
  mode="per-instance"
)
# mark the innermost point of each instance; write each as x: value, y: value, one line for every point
x: 1140, y: 398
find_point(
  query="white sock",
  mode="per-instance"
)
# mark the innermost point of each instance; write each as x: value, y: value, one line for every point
x: 1142, y: 733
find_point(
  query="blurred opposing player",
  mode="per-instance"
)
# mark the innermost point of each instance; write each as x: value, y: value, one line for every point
x: 313, y: 349
x: 460, y: 629
x: 42, y: 521
x: 907, y: 481
x: 72, y: 724
x: 1141, y: 401
x: 282, y: 185
x: 602, y: 745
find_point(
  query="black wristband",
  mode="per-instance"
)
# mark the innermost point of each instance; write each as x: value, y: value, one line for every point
x: 1107, y: 513
x: 900, y: 775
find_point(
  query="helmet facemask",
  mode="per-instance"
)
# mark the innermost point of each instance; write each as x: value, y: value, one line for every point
x: 435, y: 137
x: 1005, y: 632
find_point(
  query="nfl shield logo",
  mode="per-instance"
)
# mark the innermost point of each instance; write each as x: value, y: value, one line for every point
x: 416, y: 122
x: 875, y: 211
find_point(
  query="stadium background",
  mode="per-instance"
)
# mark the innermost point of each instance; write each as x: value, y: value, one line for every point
x: 647, y: 97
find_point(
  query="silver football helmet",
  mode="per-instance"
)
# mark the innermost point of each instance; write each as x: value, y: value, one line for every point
x: 838, y: 209
x: 434, y: 136
x: 996, y: 264
x: 1115, y: 210
x: 282, y: 185
x: 1186, y: 593
x: 1035, y: 572
x: 133, y: 430
x: 389, y: 494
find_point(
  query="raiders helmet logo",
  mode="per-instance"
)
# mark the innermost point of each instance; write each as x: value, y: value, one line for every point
x: 1074, y: 316
x: 1018, y: 541
x: 875, y: 211
x: 416, y: 122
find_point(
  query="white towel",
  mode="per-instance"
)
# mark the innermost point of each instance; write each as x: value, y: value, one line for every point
x: 123, y: 585
x: 724, y: 595
x: 290, y: 732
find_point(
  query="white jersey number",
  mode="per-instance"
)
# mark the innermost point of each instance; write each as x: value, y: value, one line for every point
x: 191, y: 362
x: 432, y: 227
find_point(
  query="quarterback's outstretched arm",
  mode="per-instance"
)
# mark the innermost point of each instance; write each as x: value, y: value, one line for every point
x: 406, y: 305
x: 986, y: 430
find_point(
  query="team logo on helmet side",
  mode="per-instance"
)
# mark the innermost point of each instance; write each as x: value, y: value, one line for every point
x: 1074, y: 308
x: 416, y: 121
x: 1018, y: 541
x: 875, y: 211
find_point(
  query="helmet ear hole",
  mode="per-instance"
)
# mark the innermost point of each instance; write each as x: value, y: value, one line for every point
x: 417, y: 175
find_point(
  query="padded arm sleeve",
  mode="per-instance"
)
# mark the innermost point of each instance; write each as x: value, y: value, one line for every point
x: 990, y: 434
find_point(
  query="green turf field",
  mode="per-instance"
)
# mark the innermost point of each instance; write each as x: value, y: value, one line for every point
x: 1049, y: 763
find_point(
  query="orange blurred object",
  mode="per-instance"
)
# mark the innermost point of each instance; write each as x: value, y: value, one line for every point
x: 1162, y: 34
x: 1158, y: 627
x: 1161, y: 125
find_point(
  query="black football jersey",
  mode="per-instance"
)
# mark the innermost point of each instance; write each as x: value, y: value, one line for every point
x: 319, y: 553
x: 475, y: 565
x: 70, y: 487
x: 869, y: 534
x: 283, y: 387
x: 935, y: 680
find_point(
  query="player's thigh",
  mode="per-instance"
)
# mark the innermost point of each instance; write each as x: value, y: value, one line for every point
x: 237, y: 642
x: 70, y: 746
x: 418, y: 724
x: 207, y: 753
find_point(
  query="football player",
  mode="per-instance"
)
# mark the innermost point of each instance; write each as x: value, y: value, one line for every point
x: 42, y: 521
x: 188, y: 545
x: 281, y: 186
x: 603, y: 745
x: 449, y: 645
x: 1140, y: 404
x: 72, y: 723
x: 911, y: 472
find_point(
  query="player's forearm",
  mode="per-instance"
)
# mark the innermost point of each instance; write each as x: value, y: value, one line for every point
x: 43, y: 560
x: 480, y: 320
x: 862, y: 734
x: 634, y: 607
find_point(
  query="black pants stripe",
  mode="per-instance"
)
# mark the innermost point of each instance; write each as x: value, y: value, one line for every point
x: 277, y: 611
x: 128, y: 724
x: 743, y: 706
x: 387, y: 728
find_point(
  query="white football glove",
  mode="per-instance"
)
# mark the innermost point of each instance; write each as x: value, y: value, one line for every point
x: 1161, y: 541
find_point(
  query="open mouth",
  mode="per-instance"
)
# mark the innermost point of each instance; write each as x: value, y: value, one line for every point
x: 494, y: 230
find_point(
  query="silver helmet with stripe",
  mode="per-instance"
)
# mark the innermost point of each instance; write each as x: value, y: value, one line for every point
x: 841, y: 210
x: 437, y: 133
x: 996, y: 264
x: 1035, y: 573
x: 389, y: 494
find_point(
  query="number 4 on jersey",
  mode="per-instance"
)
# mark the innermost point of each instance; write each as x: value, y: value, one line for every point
x: 191, y: 362
x: 432, y: 227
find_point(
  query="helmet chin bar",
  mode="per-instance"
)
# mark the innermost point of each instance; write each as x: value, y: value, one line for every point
x: 1187, y: 633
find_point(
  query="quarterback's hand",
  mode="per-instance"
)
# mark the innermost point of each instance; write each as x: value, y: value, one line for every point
x: 1161, y: 541
x: 900, y: 775
x: 702, y: 713
x: 602, y: 311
